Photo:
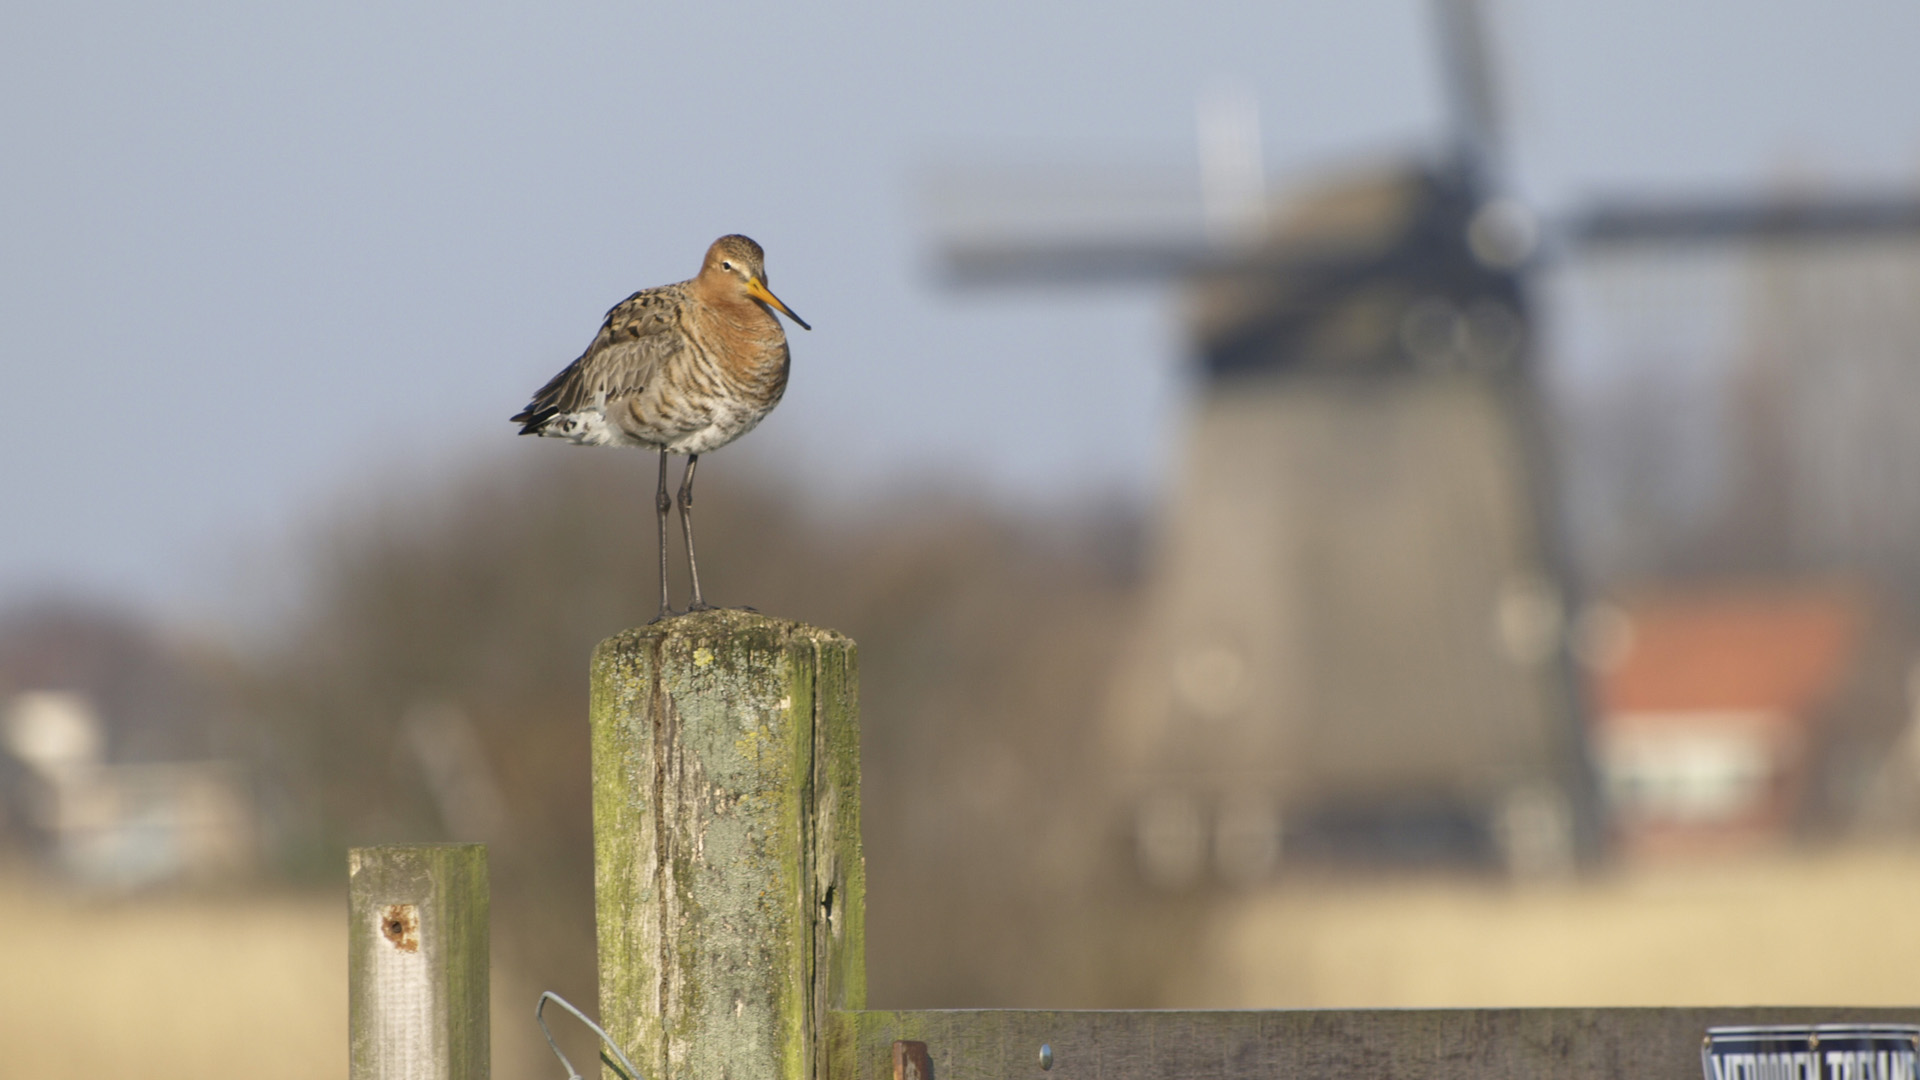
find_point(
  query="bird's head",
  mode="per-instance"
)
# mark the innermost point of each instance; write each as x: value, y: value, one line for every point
x: 738, y: 266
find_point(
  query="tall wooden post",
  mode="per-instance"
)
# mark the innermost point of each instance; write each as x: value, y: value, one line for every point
x: 728, y: 873
x: 417, y: 962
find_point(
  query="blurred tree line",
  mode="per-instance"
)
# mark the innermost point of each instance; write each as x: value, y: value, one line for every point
x: 433, y: 684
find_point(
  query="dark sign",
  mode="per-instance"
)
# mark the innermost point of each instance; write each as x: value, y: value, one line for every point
x: 1816, y: 1052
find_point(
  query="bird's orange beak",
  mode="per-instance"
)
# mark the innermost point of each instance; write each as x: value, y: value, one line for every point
x: 759, y: 291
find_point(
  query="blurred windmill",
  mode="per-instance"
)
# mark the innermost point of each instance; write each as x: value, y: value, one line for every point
x: 1356, y: 635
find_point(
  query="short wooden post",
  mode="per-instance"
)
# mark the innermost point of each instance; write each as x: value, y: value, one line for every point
x: 417, y: 962
x: 728, y: 873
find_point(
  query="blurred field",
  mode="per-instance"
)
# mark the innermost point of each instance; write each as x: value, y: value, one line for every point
x: 204, y: 987
x: 1787, y: 929
x: 255, y: 986
x: 207, y: 986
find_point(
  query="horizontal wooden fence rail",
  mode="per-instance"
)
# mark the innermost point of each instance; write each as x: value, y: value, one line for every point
x: 1307, y: 1044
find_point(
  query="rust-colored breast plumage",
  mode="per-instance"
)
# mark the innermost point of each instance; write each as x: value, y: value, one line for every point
x: 747, y: 343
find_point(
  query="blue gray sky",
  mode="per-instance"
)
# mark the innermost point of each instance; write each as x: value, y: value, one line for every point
x: 256, y: 258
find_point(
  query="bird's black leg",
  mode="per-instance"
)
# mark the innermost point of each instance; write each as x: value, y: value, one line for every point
x: 661, y: 504
x: 686, y: 527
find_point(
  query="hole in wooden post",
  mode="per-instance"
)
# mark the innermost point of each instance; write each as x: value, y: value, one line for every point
x: 911, y: 1061
x: 400, y: 924
x: 827, y: 913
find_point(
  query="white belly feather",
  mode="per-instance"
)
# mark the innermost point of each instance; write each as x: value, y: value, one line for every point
x: 590, y: 427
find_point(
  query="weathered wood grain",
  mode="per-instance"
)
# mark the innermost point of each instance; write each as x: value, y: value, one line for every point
x: 417, y: 962
x: 729, y: 879
x: 1346, y: 1044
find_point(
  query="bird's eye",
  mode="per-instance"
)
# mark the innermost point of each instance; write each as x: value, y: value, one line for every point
x: 726, y: 266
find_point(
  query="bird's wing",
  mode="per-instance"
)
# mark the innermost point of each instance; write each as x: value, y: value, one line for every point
x: 638, y: 335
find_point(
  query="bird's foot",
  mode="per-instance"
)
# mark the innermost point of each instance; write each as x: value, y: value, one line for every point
x: 665, y: 613
x: 691, y: 608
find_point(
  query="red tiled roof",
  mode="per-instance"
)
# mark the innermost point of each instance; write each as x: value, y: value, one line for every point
x: 1779, y: 649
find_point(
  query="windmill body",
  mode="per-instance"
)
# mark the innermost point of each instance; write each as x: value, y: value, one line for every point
x: 1355, y: 638
x: 1351, y: 642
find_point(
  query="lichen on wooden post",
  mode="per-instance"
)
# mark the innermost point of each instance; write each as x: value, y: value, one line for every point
x: 417, y: 962
x: 728, y: 873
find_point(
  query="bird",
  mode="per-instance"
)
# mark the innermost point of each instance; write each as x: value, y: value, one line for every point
x: 682, y: 369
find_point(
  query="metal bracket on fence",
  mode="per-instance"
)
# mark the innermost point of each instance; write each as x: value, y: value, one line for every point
x: 573, y: 1073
